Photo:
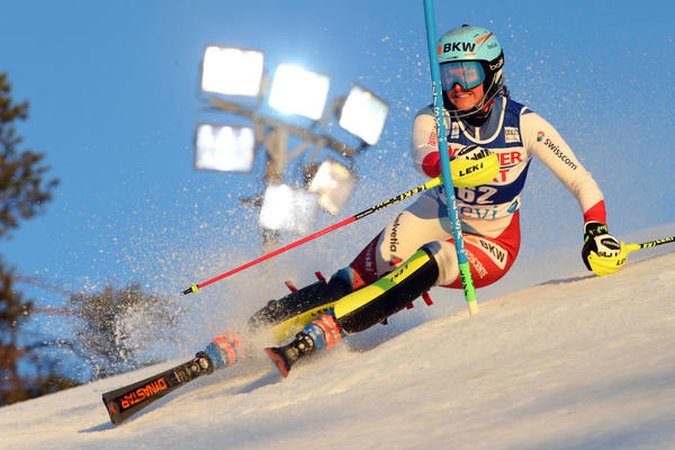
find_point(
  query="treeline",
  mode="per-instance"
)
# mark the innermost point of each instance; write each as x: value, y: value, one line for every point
x: 34, y: 363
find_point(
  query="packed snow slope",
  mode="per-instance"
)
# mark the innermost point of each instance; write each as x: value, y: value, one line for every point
x: 577, y: 362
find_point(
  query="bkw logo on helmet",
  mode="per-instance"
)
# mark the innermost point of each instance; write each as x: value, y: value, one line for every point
x: 459, y: 47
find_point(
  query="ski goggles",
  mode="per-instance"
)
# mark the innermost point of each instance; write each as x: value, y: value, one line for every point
x: 468, y: 74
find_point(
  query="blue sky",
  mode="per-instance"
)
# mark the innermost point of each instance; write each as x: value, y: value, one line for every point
x: 114, y: 96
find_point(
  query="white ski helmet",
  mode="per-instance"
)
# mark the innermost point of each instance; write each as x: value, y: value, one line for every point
x: 471, y: 56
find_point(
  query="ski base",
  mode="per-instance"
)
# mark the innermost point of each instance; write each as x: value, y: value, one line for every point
x: 126, y: 401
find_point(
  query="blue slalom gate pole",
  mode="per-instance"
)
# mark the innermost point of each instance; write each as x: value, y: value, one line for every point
x: 464, y: 268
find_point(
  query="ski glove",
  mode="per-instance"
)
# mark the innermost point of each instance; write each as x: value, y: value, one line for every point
x: 602, y: 253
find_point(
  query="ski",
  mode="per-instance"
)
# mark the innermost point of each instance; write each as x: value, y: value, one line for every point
x: 283, y: 358
x: 126, y: 401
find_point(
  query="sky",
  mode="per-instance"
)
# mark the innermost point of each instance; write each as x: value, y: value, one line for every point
x: 587, y: 367
x: 114, y: 95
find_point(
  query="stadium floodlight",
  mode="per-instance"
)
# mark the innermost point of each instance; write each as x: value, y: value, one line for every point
x: 224, y: 148
x: 232, y: 71
x: 298, y: 91
x: 287, y: 209
x: 363, y: 114
x: 334, y: 183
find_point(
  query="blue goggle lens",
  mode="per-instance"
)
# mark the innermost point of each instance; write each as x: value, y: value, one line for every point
x: 468, y: 74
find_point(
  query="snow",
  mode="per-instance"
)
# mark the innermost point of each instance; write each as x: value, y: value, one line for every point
x: 576, y: 362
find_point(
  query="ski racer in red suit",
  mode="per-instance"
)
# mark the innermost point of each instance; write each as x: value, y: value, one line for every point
x: 416, y: 251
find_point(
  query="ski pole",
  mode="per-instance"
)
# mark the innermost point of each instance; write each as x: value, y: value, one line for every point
x: 464, y: 268
x: 434, y: 182
x: 607, y: 265
x: 633, y: 247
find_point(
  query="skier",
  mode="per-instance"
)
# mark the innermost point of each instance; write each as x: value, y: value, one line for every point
x: 415, y: 251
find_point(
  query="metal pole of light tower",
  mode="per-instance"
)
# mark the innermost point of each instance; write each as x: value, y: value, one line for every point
x: 276, y: 146
x: 275, y: 137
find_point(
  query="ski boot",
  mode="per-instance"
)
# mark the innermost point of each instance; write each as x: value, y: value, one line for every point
x: 322, y: 332
x: 223, y: 351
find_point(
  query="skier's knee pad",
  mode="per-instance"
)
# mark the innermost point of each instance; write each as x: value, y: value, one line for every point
x: 371, y: 305
x: 311, y: 297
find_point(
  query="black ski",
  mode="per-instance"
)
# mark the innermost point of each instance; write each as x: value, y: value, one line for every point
x: 124, y: 402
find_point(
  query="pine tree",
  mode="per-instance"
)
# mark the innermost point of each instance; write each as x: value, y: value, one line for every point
x: 117, y: 325
x: 24, y: 192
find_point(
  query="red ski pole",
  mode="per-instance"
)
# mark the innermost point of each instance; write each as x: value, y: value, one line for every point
x: 195, y: 287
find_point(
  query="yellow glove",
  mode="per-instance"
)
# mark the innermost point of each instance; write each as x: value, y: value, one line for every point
x: 602, y: 253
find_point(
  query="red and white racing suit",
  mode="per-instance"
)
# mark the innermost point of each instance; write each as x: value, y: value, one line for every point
x: 489, y: 213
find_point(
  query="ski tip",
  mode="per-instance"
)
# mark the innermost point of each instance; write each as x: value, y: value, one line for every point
x: 279, y: 361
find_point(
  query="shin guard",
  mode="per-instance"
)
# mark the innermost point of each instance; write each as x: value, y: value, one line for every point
x: 388, y: 295
x: 312, y: 297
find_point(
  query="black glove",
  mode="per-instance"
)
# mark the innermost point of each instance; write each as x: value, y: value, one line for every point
x: 602, y: 253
